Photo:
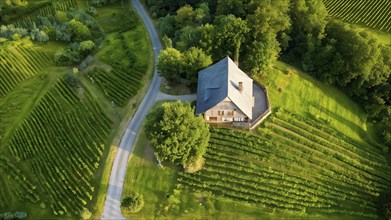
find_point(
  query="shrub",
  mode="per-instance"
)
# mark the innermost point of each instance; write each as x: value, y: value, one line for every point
x: 85, y: 214
x: 133, y: 202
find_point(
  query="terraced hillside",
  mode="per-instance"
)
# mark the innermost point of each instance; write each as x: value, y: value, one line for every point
x: 313, y: 170
x: 48, y: 10
x: 372, y: 13
x: 56, y: 132
x: 19, y: 62
x: 62, y: 140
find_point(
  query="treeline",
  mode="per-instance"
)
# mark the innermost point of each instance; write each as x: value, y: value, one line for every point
x: 257, y: 33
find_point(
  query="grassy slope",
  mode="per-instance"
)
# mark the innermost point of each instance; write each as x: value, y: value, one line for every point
x: 28, y: 93
x: 145, y: 177
x: 301, y: 94
x: 305, y: 95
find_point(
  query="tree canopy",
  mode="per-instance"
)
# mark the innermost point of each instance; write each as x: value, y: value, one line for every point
x: 173, y: 63
x: 177, y: 135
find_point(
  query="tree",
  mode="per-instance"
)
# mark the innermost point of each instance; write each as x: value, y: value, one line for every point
x: 86, y: 47
x: 80, y: 31
x: 308, y: 28
x: 262, y: 53
x: 15, y: 3
x: 269, y: 21
x: 167, y: 42
x: 229, y: 34
x: 167, y: 25
x: 133, y: 202
x: 177, y: 135
x: 235, y: 7
x: 170, y: 63
x: 194, y: 60
x: 186, y: 16
x: 85, y: 213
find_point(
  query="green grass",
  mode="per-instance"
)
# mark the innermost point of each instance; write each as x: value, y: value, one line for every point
x: 291, y: 89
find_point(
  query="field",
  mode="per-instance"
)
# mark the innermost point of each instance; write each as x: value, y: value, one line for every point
x: 46, y: 8
x: 316, y: 157
x: 57, y: 141
x: 375, y: 14
x: 304, y: 173
x: 291, y: 89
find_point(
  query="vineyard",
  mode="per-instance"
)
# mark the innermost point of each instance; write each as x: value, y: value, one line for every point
x: 297, y: 166
x: 376, y: 14
x: 48, y: 10
x: 125, y: 78
x: 18, y: 63
x: 62, y: 140
x: 117, y: 85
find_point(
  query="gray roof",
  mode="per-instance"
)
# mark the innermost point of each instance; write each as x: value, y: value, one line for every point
x: 220, y: 81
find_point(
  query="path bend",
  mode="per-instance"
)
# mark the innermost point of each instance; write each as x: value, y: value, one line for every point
x: 112, y: 209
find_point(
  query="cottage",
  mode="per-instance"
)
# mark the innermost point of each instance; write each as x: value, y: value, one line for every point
x: 225, y: 94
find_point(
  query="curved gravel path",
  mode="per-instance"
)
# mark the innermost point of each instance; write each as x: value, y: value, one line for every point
x: 111, y: 209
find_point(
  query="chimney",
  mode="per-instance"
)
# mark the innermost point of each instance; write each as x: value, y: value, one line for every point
x: 240, y: 87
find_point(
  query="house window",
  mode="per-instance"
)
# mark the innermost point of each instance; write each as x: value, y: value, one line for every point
x: 230, y: 113
x: 220, y: 112
x: 212, y: 118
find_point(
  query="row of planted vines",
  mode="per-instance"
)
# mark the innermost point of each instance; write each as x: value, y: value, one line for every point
x: 62, y: 139
x: 296, y: 166
x: 124, y: 80
x: 376, y: 14
x: 19, y: 62
x: 47, y: 11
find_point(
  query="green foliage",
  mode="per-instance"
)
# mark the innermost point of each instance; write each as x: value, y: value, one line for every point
x: 80, y: 32
x: 186, y: 16
x: 71, y: 78
x: 194, y: 60
x: 167, y: 42
x: 86, y: 47
x: 133, y: 202
x: 173, y: 63
x: 167, y: 25
x: 169, y: 63
x: 176, y: 134
x: 15, y: 3
x: 229, y: 34
x: 85, y: 214
x: 234, y: 7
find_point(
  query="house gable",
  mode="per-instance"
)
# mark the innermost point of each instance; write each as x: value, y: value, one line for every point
x: 221, y: 81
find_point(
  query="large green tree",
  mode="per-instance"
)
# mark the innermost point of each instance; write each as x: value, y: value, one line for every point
x: 268, y: 23
x: 173, y: 63
x: 194, y: 60
x: 229, y: 34
x: 308, y: 26
x: 170, y: 63
x: 177, y: 135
